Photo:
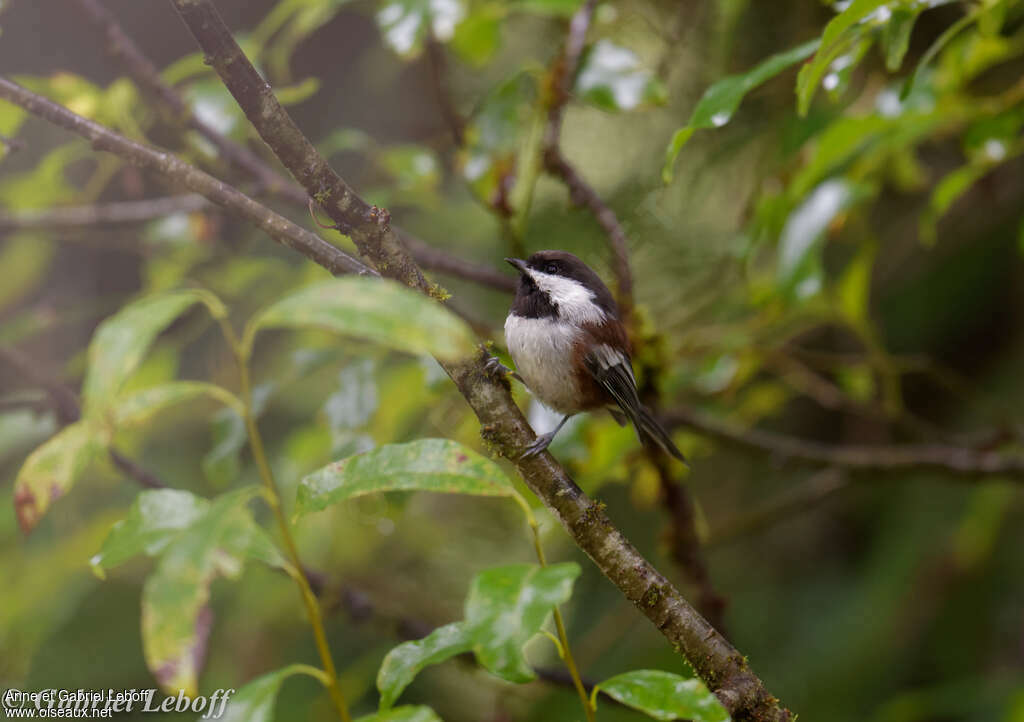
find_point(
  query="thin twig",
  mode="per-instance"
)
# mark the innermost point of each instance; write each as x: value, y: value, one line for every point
x: 820, y: 486
x: 171, y: 167
x: 956, y: 460
x: 437, y: 65
x: 581, y: 193
x: 684, y: 542
x: 435, y: 260
x: 147, y: 77
x: 142, y: 70
x: 100, y: 214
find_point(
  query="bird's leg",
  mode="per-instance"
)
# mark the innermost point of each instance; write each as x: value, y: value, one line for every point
x: 543, y: 440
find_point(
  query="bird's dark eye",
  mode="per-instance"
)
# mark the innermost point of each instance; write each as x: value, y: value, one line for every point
x: 551, y: 268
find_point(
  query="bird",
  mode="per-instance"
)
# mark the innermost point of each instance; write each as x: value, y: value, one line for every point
x: 570, y: 348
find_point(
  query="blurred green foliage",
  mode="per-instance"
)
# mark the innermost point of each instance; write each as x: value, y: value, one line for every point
x: 837, y: 257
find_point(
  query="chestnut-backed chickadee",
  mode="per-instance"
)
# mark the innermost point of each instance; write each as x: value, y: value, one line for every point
x: 570, y: 348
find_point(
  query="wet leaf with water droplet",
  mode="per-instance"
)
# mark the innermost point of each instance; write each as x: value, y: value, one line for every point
x: 720, y: 102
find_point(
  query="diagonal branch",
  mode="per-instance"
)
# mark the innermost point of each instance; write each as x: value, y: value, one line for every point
x: 277, y: 227
x: 145, y: 74
x: 147, y: 77
x: 956, y: 460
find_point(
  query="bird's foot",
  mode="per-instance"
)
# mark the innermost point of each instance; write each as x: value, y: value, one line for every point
x: 498, y: 370
x: 539, y: 444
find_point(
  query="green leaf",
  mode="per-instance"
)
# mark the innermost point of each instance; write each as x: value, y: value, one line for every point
x: 558, y: 8
x: 436, y: 465
x: 855, y: 284
x: 378, y: 310
x: 937, y: 45
x: 846, y: 30
x: 121, y: 341
x: 665, y: 696
x: 175, y: 616
x: 952, y: 186
x: 896, y: 36
x: 255, y: 701
x: 719, y: 102
x: 478, y: 37
x: 404, y: 662
x: 403, y: 714
x: 25, y: 258
x: 51, y: 469
x: 154, y: 519
x: 403, y: 23
x: 613, y: 78
x: 507, y: 605
x: 298, y: 93
x: 135, y: 409
x: 494, y: 134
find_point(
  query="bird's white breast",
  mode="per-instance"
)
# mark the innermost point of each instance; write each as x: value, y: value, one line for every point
x: 542, y: 349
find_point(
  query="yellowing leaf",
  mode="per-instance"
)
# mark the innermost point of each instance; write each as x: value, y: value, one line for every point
x: 51, y: 469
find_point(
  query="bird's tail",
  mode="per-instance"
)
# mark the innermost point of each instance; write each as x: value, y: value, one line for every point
x: 649, y: 429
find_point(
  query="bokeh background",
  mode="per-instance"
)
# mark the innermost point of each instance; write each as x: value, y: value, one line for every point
x: 893, y: 316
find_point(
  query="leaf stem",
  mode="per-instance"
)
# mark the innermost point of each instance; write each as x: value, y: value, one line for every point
x: 563, y: 648
x: 330, y: 675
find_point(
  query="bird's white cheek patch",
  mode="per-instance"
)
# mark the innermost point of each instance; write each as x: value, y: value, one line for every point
x: 575, y: 302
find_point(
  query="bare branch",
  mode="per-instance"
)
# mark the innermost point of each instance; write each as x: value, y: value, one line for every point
x: 684, y: 542
x: 436, y: 62
x: 277, y: 227
x: 103, y: 213
x: 821, y: 485
x: 147, y: 77
x: 435, y: 260
x: 555, y: 162
x: 956, y: 460
x: 582, y: 194
x: 503, y: 425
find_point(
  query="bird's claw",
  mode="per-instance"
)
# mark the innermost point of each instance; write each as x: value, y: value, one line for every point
x: 496, y: 368
x: 539, y: 444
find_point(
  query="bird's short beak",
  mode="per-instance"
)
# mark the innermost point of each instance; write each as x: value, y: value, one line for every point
x: 517, y: 263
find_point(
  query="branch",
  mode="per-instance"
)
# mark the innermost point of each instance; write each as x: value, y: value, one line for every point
x: 369, y: 227
x: 277, y: 227
x: 715, y: 660
x: 145, y: 74
x: 580, y: 192
x: 684, y: 542
x: 436, y: 64
x: 103, y: 214
x: 821, y: 485
x: 147, y: 77
x: 435, y: 260
x: 956, y: 460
